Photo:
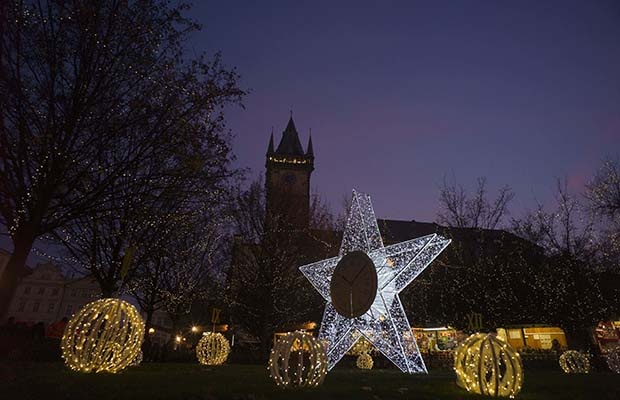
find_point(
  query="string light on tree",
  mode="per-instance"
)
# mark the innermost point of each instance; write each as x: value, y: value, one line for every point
x: 574, y: 362
x: 104, y: 336
x: 487, y: 365
x: 298, y: 360
x: 212, y: 349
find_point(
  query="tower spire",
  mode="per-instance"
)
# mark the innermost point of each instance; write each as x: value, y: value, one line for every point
x: 270, y: 149
x: 309, y: 149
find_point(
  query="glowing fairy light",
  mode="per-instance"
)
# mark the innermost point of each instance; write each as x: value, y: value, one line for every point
x: 384, y: 324
x: 487, y: 365
x: 298, y: 360
x: 212, y: 349
x: 574, y: 362
x: 104, y: 336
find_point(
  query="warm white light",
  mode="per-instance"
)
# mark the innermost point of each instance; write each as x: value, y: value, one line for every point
x: 487, y: 365
x: 385, y: 324
x: 194, y: 329
x: 297, y: 360
x: 212, y: 349
x: 151, y: 331
x: 104, y: 336
x: 574, y: 362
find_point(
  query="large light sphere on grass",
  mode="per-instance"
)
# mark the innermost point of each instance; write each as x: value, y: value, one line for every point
x: 487, y: 365
x: 574, y: 362
x: 298, y: 360
x: 212, y: 349
x: 613, y: 359
x: 104, y: 336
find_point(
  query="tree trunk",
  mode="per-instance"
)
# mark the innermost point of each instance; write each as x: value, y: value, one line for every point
x: 147, y: 344
x: 22, y: 244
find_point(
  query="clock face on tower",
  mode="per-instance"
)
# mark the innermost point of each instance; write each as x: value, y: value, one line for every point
x: 289, y: 179
x: 353, y: 286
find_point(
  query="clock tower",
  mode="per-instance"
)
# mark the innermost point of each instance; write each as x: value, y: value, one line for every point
x: 287, y: 181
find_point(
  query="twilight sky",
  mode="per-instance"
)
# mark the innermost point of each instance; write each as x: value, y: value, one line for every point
x: 399, y: 94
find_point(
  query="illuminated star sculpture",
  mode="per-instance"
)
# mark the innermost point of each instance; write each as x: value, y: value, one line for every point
x: 361, y: 288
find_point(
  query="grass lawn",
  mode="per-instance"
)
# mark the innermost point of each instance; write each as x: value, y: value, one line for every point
x: 44, y: 381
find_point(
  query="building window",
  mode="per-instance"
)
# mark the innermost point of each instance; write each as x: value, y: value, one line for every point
x: 27, y: 290
x: 51, y: 307
x: 36, y: 305
x: 69, y: 309
x: 41, y: 290
x: 73, y: 292
x: 55, y: 292
x: 22, y: 305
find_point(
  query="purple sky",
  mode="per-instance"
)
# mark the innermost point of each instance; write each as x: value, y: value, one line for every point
x: 399, y: 94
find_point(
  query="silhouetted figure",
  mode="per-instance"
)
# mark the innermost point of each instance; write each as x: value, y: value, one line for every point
x: 555, y: 346
x: 38, y: 331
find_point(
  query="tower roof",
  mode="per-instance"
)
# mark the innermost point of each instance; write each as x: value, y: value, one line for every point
x: 290, y: 144
x: 270, y: 146
x: 309, y: 149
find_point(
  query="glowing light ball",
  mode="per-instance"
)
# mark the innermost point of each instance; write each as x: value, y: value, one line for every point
x: 360, y: 347
x: 487, y: 365
x: 212, y: 349
x: 297, y: 360
x: 104, y: 336
x: 364, y: 361
x: 138, y: 360
x: 613, y: 359
x: 574, y: 362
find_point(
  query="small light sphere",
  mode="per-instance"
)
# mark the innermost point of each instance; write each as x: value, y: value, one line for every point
x: 364, y: 361
x: 298, y: 360
x: 574, y: 362
x: 485, y: 364
x: 104, y: 336
x: 212, y: 349
x: 613, y: 359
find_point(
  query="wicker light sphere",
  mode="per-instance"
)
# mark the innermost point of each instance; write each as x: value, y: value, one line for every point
x: 138, y: 360
x: 364, y: 361
x: 487, y: 365
x: 613, y: 359
x: 297, y: 360
x: 574, y: 362
x: 104, y: 336
x: 212, y: 349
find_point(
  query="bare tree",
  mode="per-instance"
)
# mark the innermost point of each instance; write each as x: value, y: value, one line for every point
x: 567, y: 229
x: 460, y: 210
x: 266, y: 291
x: 603, y: 192
x: 90, y: 90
